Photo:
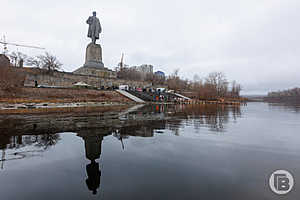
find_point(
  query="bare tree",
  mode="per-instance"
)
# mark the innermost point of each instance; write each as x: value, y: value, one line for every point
x: 129, y: 73
x: 214, y: 86
x: 173, y: 80
x: 218, y: 82
x: 47, y: 61
x: 34, y: 61
x: 235, y: 89
x: 18, y: 58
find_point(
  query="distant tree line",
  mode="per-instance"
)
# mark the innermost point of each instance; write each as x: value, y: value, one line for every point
x: 285, y: 96
x: 295, y: 92
x: 215, y: 85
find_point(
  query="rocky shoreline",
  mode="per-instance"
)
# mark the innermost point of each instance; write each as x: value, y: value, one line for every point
x: 46, y: 107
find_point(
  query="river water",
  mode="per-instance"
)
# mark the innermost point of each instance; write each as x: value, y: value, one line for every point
x: 151, y: 152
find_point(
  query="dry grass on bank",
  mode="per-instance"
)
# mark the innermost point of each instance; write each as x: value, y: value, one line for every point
x: 10, y: 81
x: 12, y: 91
x: 53, y: 95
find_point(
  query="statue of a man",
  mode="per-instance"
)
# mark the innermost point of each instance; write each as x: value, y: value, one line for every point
x: 94, y: 27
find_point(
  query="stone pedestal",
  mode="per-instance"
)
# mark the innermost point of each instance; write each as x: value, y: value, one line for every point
x: 98, y: 72
x: 93, y: 56
x: 93, y: 65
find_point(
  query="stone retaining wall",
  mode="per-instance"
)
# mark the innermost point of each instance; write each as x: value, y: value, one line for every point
x: 67, y: 79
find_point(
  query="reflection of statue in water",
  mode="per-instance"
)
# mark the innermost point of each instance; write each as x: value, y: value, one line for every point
x: 93, y: 152
x: 93, y: 180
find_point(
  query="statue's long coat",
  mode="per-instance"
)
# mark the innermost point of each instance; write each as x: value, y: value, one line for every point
x: 94, y: 27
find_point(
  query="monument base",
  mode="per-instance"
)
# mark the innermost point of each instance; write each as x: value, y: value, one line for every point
x: 93, y: 65
x: 93, y: 56
x: 99, y: 72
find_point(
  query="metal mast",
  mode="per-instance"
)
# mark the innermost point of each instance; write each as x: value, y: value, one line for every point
x: 5, y: 50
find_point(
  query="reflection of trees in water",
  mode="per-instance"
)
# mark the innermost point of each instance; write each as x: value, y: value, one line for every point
x: 41, y: 142
x: 285, y: 106
x: 212, y: 116
x: 174, y: 125
x: 143, y: 128
x: 19, y: 155
x: 236, y: 112
x: 143, y: 122
x: 47, y: 140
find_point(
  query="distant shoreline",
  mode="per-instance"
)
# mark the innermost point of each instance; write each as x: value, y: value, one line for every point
x: 283, y: 99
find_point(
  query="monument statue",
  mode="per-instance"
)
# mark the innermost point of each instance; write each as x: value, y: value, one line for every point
x: 94, y: 27
x: 93, y: 65
x: 93, y: 57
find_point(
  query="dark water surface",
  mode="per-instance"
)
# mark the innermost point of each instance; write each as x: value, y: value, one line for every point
x: 152, y: 152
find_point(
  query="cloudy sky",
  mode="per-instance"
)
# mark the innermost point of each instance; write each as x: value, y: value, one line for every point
x: 255, y: 42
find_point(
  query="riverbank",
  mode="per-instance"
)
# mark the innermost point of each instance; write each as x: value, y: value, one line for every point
x: 53, y: 100
x: 60, y: 95
x: 29, y: 100
x: 64, y: 108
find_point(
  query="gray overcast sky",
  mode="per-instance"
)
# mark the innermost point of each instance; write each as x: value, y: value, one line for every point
x: 255, y: 42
